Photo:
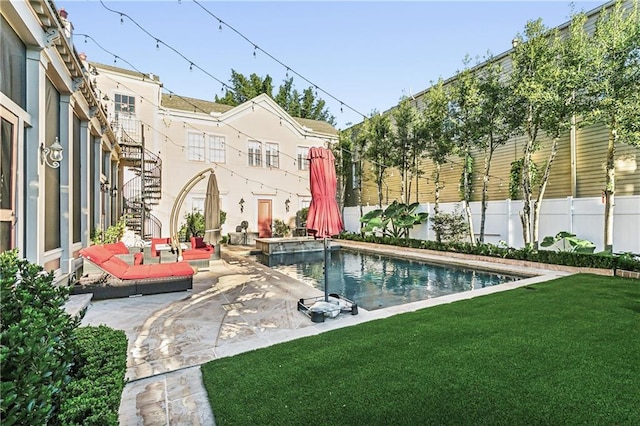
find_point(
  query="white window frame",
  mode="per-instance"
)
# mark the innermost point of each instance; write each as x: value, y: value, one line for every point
x: 196, y: 146
x: 272, y: 155
x: 217, y: 149
x: 254, y: 153
x: 129, y: 100
x: 303, y: 163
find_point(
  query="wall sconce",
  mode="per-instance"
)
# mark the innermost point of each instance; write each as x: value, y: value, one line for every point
x: 104, y: 186
x: 51, y: 155
x: 114, y: 191
x: 286, y: 205
x: 241, y: 203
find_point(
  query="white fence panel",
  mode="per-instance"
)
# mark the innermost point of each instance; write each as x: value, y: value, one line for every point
x: 583, y: 217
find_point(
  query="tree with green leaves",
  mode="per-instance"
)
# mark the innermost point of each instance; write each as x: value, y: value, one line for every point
x: 343, y: 153
x: 614, y: 89
x: 404, y: 139
x: 466, y: 115
x: 378, y: 142
x: 243, y: 89
x: 302, y: 105
x: 541, y: 102
x: 495, y: 128
x: 436, y: 133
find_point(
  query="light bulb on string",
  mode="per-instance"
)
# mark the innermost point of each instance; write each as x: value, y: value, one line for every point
x: 220, y: 26
x: 191, y: 66
x: 121, y: 19
x: 255, y: 47
x: 157, y: 44
x: 341, y: 107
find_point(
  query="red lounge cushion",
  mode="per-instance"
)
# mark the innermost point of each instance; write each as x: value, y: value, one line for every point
x: 117, y: 248
x: 96, y: 254
x: 116, y: 267
x: 138, y: 258
x: 161, y: 270
x: 181, y: 269
x: 137, y: 272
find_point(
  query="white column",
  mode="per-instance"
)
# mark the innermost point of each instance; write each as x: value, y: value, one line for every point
x: 66, y: 230
x: 85, y: 179
x: 33, y: 218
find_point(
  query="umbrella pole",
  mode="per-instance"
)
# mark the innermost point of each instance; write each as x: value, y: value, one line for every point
x: 326, y: 265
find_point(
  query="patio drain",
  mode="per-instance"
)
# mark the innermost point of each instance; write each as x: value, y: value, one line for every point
x: 231, y: 306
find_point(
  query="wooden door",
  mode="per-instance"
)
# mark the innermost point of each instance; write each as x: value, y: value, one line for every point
x: 8, y: 173
x: 264, y: 218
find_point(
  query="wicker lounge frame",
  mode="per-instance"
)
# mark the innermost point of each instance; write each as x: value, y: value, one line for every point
x: 120, y: 279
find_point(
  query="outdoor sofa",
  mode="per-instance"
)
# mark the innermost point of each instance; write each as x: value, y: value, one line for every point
x: 120, y: 279
x: 198, y: 253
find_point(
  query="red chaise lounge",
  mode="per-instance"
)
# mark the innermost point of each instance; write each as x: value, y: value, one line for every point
x: 128, y: 280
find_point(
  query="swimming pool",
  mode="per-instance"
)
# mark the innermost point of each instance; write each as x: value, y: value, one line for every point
x: 376, y: 281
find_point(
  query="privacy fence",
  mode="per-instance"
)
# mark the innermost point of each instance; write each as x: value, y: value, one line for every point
x: 583, y: 217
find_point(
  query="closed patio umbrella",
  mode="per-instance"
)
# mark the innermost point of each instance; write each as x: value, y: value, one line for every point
x: 212, y: 212
x: 324, y: 219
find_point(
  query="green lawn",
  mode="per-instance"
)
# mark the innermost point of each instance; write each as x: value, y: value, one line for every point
x: 561, y: 352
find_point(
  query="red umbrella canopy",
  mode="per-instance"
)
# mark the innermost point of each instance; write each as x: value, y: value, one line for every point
x: 323, y: 219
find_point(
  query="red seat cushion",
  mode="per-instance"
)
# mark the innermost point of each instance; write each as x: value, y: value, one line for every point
x: 117, y: 248
x: 196, y: 254
x: 116, y: 267
x: 181, y: 268
x: 96, y: 254
x: 137, y: 272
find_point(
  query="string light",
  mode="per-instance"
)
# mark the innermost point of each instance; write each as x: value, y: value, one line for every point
x: 255, y: 46
x: 195, y: 107
x: 157, y: 44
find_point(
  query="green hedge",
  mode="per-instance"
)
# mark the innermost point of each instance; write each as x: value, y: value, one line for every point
x: 52, y: 371
x: 584, y: 260
x: 93, y: 396
x: 36, y: 348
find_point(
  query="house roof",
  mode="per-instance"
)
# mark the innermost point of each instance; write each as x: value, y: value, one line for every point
x: 125, y: 71
x: 317, y: 125
x: 184, y: 103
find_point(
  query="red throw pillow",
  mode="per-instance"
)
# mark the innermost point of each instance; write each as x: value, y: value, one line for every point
x: 198, y: 242
x: 138, y: 258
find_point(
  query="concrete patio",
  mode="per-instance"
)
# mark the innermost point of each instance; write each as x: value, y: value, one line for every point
x: 237, y: 306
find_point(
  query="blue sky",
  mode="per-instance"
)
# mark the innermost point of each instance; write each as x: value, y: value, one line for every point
x: 366, y: 54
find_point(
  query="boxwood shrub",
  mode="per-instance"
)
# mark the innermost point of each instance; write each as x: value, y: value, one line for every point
x: 36, y: 350
x: 93, y: 396
x: 584, y: 260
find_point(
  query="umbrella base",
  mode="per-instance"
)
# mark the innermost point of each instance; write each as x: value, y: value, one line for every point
x: 318, y: 309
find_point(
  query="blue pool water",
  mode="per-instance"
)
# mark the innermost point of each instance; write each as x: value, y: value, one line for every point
x: 375, y: 281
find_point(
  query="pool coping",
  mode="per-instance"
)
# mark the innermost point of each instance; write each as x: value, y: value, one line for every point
x: 486, y: 263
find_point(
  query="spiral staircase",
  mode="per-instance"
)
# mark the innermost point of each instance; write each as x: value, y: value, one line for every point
x: 143, y: 191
